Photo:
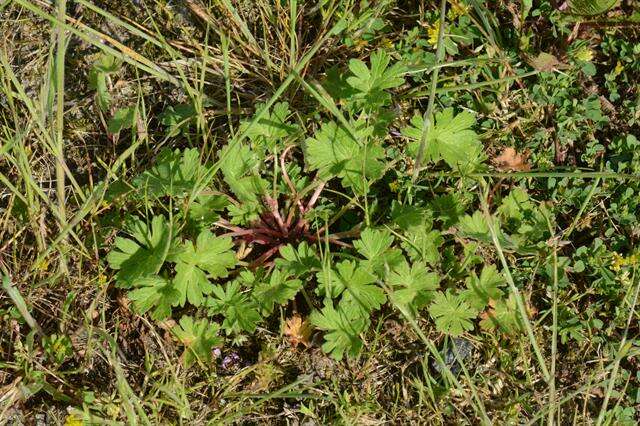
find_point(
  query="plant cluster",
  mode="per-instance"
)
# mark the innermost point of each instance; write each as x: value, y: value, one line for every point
x: 272, y: 232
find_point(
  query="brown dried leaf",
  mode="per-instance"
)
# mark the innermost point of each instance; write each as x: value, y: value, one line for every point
x: 297, y: 331
x: 509, y: 159
x: 546, y: 62
x: 490, y: 312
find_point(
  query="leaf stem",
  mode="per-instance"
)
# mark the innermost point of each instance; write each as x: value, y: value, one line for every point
x: 554, y: 329
x: 518, y: 296
x: 522, y: 175
x: 622, y: 349
x: 582, y: 209
x: 427, y: 117
x: 59, y: 147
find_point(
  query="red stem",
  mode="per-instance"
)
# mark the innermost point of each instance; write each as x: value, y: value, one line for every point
x: 285, y: 175
x: 331, y: 239
x: 273, y: 208
x: 266, y: 255
x: 315, y: 196
x: 226, y: 225
x: 287, y: 179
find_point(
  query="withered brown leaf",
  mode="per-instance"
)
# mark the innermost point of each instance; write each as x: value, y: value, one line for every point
x: 546, y: 62
x: 510, y: 160
x: 298, y: 331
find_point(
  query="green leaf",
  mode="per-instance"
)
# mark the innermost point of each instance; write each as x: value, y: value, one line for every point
x: 272, y: 127
x: 244, y: 213
x: 199, y: 338
x: 451, y: 139
x: 406, y: 216
x: 144, y: 254
x: 502, y: 315
x: 423, y: 244
x: 298, y: 261
x: 451, y: 313
x: 154, y: 292
x: 448, y: 209
x: 241, y: 172
x: 212, y: 256
x: 412, y: 286
x: 522, y: 216
x: 483, y: 289
x: 373, y: 243
x: 122, y: 119
x: 335, y: 83
x: 240, y: 313
x: 375, y: 246
x: 174, y: 173
x: 515, y: 205
x: 371, y: 83
x: 590, y: 7
x: 278, y: 291
x: 204, y: 210
x: 361, y: 291
x: 348, y: 274
x: 192, y: 283
x: 335, y: 153
x: 477, y: 228
x: 178, y: 118
x: 105, y: 65
x: 98, y: 82
x: 342, y: 329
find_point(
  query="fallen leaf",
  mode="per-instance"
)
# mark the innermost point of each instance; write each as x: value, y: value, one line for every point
x: 509, y: 159
x: 297, y: 330
x: 490, y: 312
x: 597, y: 391
x: 546, y: 62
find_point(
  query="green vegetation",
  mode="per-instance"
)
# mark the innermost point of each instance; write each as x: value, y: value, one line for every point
x: 333, y: 212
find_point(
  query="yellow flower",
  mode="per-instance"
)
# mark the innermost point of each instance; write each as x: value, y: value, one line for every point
x: 433, y: 31
x: 386, y: 43
x: 618, y: 69
x: 458, y: 8
x: 394, y: 186
x: 102, y: 279
x: 618, y: 261
x: 584, y: 54
x: 73, y: 420
x: 43, y: 265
